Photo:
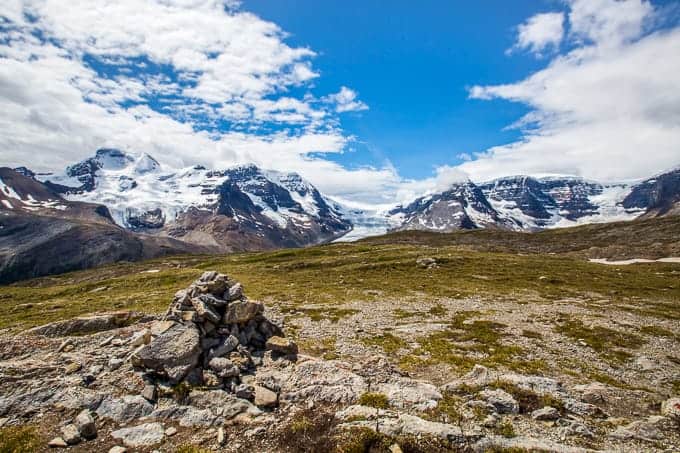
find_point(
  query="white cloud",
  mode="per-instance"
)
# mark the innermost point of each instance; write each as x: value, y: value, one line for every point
x: 345, y: 100
x: 609, y: 109
x: 540, y: 32
x: 218, y: 64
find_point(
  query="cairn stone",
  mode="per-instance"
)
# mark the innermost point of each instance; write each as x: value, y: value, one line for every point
x: 207, y: 337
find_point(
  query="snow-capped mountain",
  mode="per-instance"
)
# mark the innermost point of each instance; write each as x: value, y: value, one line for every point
x: 524, y: 203
x: 461, y: 207
x: 240, y: 208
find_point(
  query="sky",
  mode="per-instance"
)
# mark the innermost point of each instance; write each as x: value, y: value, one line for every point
x: 373, y: 102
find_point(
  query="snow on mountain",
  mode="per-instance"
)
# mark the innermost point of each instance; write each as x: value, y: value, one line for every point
x: 143, y: 195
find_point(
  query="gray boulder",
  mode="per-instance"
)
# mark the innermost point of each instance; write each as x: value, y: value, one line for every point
x: 242, y: 311
x: 501, y: 400
x: 125, y: 409
x: 144, y: 435
x: 174, y: 352
x: 86, y: 425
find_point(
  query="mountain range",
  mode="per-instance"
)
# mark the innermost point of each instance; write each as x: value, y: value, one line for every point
x: 118, y: 206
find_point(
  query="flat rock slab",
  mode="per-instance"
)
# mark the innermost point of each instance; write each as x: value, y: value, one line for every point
x: 144, y: 435
x: 86, y: 324
x: 174, y: 352
x: 125, y: 409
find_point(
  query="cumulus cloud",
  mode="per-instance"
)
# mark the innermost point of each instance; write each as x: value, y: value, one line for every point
x: 608, y: 109
x: 346, y: 100
x: 188, y: 81
x: 540, y: 32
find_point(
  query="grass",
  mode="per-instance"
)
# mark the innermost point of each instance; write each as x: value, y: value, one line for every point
x: 609, y: 343
x: 324, y: 347
x: 505, y: 429
x: 388, y: 342
x: 19, y: 439
x: 318, y: 280
x: 374, y: 399
x: 464, y: 335
x: 528, y: 400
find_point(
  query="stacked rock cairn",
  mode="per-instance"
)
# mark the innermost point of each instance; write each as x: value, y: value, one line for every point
x: 210, y: 336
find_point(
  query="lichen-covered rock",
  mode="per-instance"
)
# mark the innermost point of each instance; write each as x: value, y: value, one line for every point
x: 671, y: 407
x: 86, y: 425
x: 125, y: 409
x: 282, y: 345
x: 174, y: 352
x: 242, y: 311
x: 501, y: 400
x: 145, y: 435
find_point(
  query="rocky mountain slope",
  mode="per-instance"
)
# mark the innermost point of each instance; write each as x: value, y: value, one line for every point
x: 524, y: 203
x: 42, y: 233
x: 240, y: 208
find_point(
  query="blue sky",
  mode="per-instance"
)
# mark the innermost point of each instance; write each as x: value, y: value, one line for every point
x: 413, y: 65
x: 374, y: 102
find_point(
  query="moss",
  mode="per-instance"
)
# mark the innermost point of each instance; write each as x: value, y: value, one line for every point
x: 601, y: 339
x: 528, y: 400
x: 374, y: 399
x: 362, y: 440
x: 505, y: 429
x: 531, y: 334
x: 324, y: 347
x: 388, y: 342
x: 404, y: 314
x: 19, y: 439
x: 437, y: 310
x: 657, y: 331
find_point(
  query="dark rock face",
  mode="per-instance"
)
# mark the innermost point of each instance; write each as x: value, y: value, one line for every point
x: 527, y: 193
x: 571, y: 196
x: 85, y: 172
x: 463, y: 206
x: 146, y: 220
x: 658, y: 196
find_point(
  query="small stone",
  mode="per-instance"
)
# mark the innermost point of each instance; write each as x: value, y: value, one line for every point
x: 671, y: 407
x: 107, y: 341
x: 65, y: 344
x: 501, y: 400
x: 229, y: 344
x: 144, y: 435
x: 281, y: 345
x: 72, y: 368
x: 265, y: 397
x: 223, y: 367
x: 490, y: 421
x: 57, y: 442
x: 204, y: 311
x: 118, y: 449
x: 86, y: 425
x: 221, y: 436
x: 70, y: 434
x: 245, y: 391
x: 234, y: 293
x: 189, y: 316
x: 171, y: 431
x: 149, y: 392
x: 547, y: 413
x: 211, y: 380
x: 140, y: 338
x: 395, y: 448
x: 242, y: 311
x: 115, y: 363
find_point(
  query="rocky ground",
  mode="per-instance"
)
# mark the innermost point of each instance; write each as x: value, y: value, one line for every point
x: 217, y: 372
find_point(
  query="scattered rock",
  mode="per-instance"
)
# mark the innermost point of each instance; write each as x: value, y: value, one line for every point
x: 149, y: 393
x: 118, y: 449
x: 70, y: 434
x: 671, y: 407
x: 85, y: 324
x: 479, y: 376
x: 640, y: 429
x: 281, y: 345
x: 221, y: 436
x: 501, y: 400
x: 86, y: 425
x: 593, y: 393
x: 125, y: 409
x: 171, y: 431
x: 427, y: 263
x: 57, y: 442
x: 265, y: 397
x: 545, y: 414
x: 144, y: 435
